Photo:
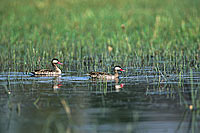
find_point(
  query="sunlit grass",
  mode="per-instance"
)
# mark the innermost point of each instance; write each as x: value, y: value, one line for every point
x: 33, y: 32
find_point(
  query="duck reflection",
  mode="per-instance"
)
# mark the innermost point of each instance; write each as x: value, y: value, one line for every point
x: 106, y: 85
x: 57, y: 83
x: 118, y: 87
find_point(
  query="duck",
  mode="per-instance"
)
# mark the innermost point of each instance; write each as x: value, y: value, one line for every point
x: 103, y: 75
x: 49, y: 72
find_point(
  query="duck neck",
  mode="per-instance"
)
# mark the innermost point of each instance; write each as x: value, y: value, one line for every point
x: 116, y: 74
x: 57, y: 69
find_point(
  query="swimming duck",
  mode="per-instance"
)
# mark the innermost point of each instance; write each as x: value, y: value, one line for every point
x: 48, y: 72
x: 103, y: 75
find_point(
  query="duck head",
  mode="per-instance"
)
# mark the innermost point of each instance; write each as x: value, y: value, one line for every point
x: 55, y: 61
x: 118, y: 68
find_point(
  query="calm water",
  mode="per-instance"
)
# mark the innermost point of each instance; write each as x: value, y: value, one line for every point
x: 73, y: 103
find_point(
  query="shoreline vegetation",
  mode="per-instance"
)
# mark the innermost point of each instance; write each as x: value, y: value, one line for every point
x: 130, y: 32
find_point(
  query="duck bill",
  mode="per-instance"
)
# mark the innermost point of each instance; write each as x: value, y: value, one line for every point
x: 60, y: 63
x: 122, y: 70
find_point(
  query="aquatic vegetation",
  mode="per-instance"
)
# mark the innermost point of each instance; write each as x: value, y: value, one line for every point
x: 33, y: 32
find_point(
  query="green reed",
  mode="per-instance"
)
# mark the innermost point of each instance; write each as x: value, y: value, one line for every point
x: 33, y: 32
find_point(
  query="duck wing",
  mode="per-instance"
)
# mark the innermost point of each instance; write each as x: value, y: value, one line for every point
x: 97, y: 74
x: 42, y: 71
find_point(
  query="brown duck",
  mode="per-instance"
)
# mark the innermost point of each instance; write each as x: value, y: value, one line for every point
x: 48, y: 72
x: 103, y: 75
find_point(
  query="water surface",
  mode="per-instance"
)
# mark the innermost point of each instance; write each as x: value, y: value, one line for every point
x: 73, y: 103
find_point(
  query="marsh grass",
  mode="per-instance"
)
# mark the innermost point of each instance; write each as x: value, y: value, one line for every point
x: 33, y: 32
x: 191, y: 104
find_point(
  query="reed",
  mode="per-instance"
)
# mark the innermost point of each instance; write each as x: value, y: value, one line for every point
x: 34, y: 32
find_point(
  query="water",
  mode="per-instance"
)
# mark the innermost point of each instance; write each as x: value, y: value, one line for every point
x: 73, y: 103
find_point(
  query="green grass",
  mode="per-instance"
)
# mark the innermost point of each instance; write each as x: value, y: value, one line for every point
x: 139, y: 31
